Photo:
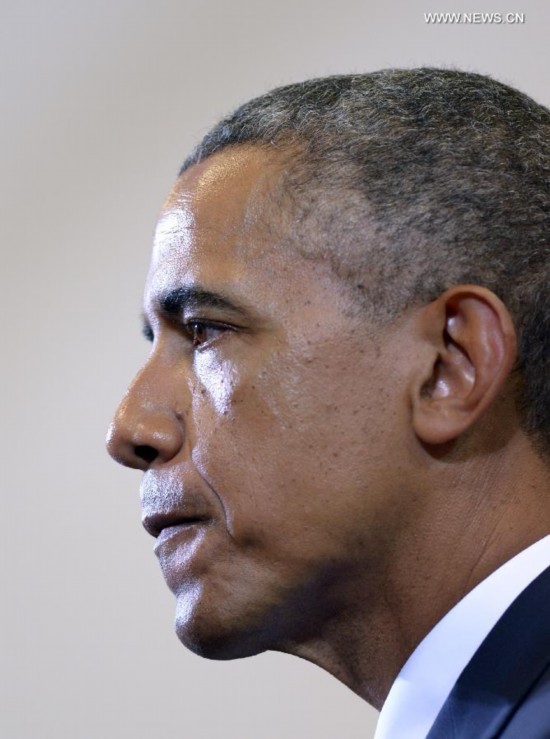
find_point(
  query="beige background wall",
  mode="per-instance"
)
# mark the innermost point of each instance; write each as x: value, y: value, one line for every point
x: 100, y: 102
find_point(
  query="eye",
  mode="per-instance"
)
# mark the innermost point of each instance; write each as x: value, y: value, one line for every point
x: 201, y: 333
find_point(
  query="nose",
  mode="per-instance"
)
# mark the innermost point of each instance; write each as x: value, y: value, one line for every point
x: 147, y: 428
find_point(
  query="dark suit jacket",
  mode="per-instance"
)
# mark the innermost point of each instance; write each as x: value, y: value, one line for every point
x: 504, y: 691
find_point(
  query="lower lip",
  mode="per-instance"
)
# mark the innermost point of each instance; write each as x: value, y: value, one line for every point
x: 180, y: 534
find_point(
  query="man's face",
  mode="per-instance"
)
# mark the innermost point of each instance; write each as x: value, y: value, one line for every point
x: 266, y: 420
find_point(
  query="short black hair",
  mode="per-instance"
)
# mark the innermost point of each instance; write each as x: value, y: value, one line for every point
x: 451, y: 173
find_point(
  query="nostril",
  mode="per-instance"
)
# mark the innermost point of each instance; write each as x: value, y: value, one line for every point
x: 146, y: 452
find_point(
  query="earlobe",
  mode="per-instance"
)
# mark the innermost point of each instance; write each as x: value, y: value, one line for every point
x: 472, y: 349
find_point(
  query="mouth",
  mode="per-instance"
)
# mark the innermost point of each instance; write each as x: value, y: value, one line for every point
x: 156, y: 523
x: 175, y: 514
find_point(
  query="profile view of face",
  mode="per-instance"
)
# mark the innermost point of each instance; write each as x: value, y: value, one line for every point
x: 266, y: 421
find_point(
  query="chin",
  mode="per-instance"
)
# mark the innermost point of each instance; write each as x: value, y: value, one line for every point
x: 218, y: 634
x: 218, y: 642
x: 223, y: 623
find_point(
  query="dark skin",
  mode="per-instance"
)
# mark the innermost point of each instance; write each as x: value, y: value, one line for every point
x: 318, y: 483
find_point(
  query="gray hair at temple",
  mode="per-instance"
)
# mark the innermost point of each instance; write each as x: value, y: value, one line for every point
x: 411, y: 181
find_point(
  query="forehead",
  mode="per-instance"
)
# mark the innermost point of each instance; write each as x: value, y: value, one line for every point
x: 222, y: 229
x: 218, y: 209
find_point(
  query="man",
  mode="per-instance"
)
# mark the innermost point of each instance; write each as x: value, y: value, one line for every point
x: 344, y: 422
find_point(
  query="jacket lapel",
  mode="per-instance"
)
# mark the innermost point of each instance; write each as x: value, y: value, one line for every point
x: 501, y: 672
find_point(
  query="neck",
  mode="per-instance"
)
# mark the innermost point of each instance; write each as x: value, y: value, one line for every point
x: 485, y: 513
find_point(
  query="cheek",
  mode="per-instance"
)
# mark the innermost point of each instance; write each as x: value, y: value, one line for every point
x: 282, y: 443
x: 244, y: 443
x: 215, y: 384
x: 247, y: 394
x: 285, y: 417
x: 232, y: 425
x: 303, y: 433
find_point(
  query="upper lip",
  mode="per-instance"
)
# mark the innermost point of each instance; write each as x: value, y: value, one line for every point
x: 169, y: 500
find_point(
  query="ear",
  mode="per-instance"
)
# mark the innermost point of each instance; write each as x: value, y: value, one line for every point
x: 471, y: 349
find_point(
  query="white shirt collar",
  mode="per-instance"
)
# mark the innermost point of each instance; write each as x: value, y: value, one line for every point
x: 428, y: 676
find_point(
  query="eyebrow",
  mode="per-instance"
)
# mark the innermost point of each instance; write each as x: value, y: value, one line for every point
x: 176, y: 301
x: 173, y: 303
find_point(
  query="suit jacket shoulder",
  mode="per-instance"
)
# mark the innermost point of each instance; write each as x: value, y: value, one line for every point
x: 504, y: 691
x: 531, y: 720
